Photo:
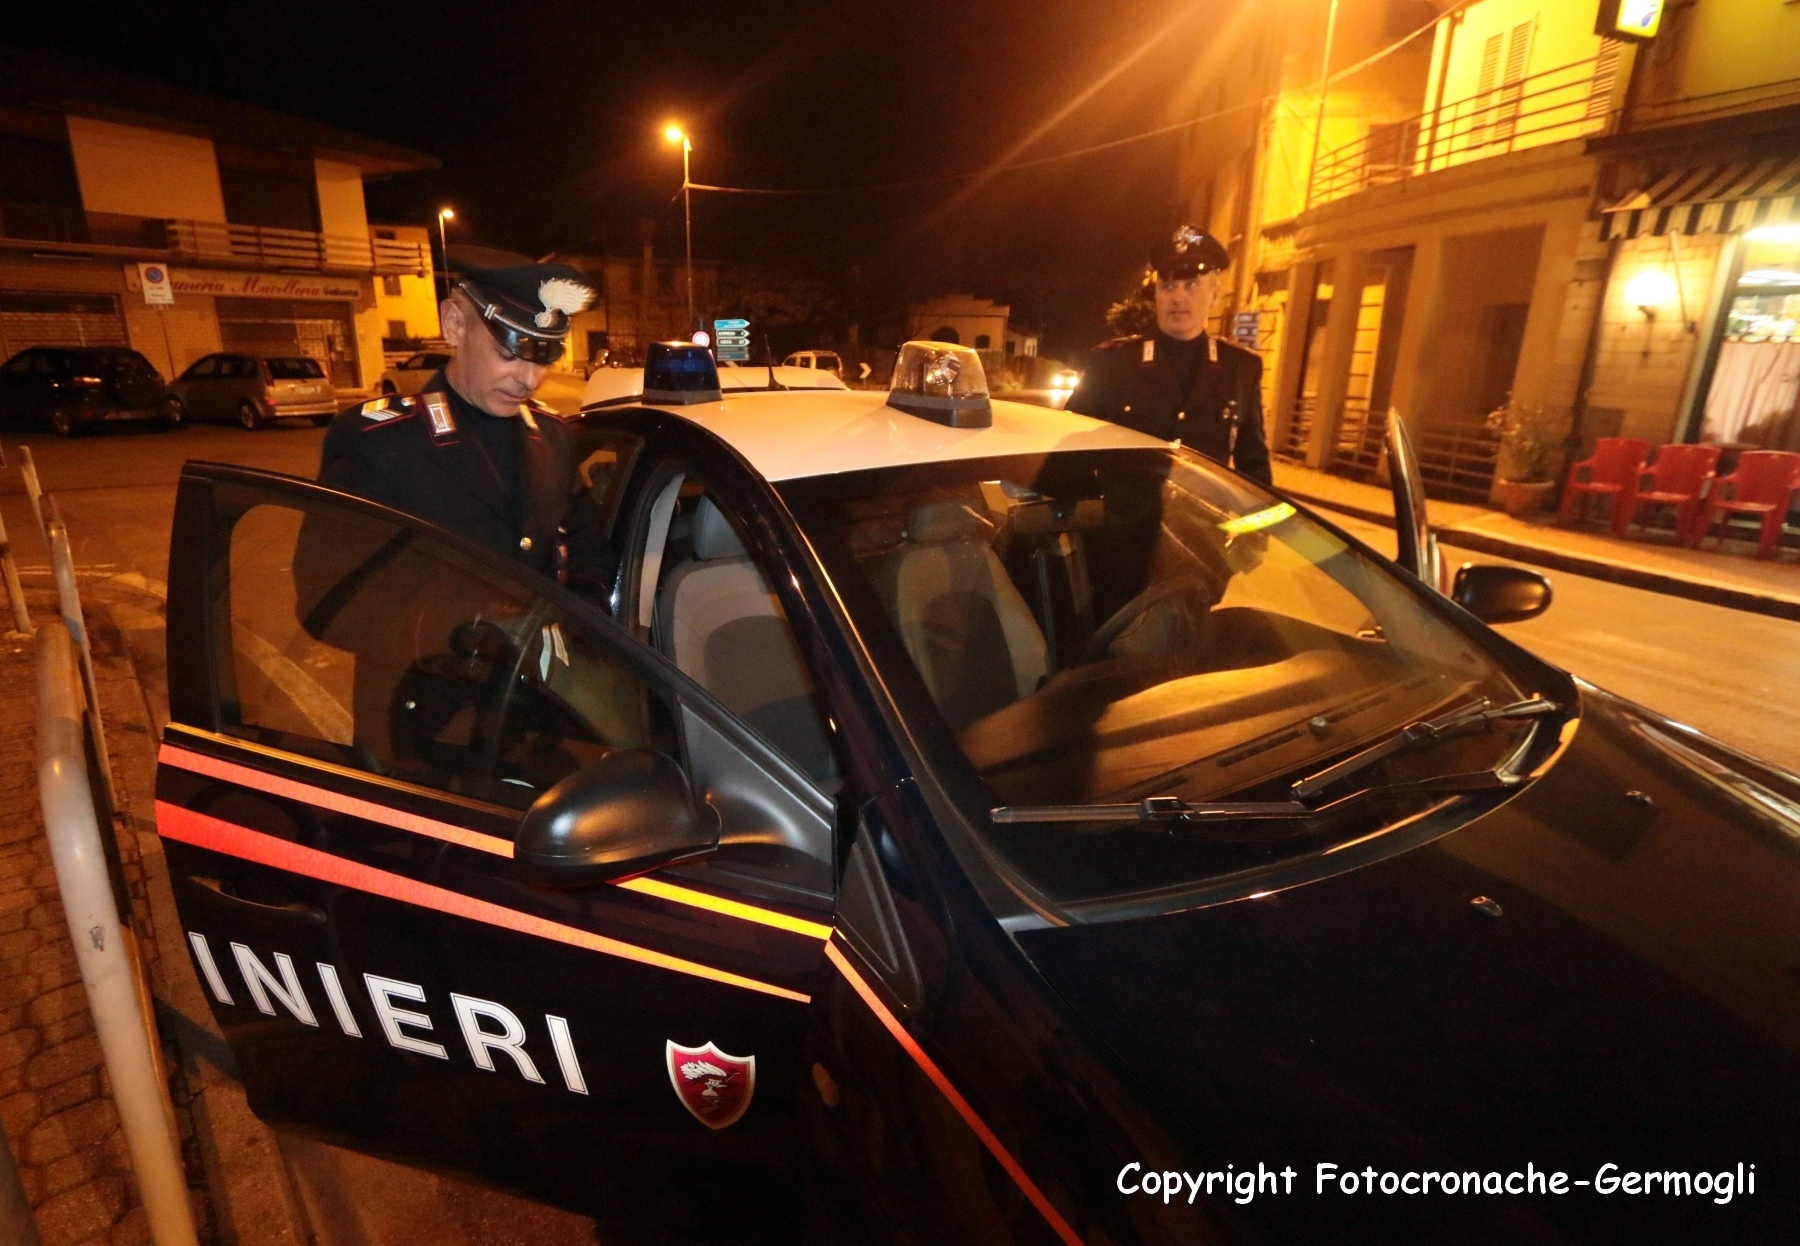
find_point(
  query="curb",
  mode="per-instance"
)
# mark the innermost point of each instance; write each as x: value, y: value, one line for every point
x: 1577, y: 564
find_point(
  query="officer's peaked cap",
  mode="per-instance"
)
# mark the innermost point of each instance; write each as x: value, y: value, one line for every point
x: 1187, y: 253
x: 537, y: 297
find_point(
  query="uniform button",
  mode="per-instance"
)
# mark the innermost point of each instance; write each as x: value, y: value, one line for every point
x: 525, y: 544
x: 1181, y: 415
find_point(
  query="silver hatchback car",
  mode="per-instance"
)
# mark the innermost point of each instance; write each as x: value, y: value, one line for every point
x: 254, y: 390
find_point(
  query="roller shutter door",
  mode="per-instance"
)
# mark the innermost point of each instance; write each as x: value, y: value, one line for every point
x: 316, y: 328
x: 30, y: 318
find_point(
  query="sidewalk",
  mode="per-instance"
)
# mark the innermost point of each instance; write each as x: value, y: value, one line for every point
x: 1728, y: 576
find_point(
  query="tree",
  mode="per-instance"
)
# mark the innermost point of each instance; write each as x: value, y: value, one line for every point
x: 1130, y: 316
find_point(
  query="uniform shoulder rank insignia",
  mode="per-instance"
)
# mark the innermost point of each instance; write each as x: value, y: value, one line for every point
x: 1149, y: 350
x: 388, y: 407
x: 437, y: 410
x: 1212, y: 349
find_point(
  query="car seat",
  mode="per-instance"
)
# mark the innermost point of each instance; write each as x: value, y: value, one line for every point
x: 717, y: 620
x: 963, y: 622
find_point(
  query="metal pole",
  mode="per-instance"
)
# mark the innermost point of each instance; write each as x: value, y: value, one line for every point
x: 69, y: 600
x: 687, y: 213
x: 15, y: 592
x: 107, y: 971
x: 1312, y: 165
x: 34, y: 491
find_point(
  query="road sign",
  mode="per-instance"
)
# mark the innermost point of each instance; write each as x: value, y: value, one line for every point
x: 732, y: 338
x: 1246, y: 327
x: 157, y: 287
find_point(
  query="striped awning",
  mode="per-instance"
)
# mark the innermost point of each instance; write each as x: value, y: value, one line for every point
x: 1711, y: 199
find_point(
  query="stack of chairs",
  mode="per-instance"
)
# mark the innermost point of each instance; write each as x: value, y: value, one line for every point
x: 1684, y: 478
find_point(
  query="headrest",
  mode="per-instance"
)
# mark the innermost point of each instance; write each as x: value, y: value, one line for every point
x: 934, y: 522
x: 713, y: 537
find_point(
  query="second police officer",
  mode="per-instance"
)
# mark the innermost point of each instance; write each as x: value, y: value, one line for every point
x: 1180, y: 383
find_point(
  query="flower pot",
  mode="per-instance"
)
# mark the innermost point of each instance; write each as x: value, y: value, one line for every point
x: 1523, y: 498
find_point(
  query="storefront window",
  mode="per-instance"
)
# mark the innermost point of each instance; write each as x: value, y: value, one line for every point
x: 1755, y: 386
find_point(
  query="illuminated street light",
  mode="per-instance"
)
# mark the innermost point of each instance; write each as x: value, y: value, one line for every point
x: 445, y: 214
x: 675, y: 134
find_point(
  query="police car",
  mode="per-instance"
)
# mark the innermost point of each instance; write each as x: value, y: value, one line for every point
x: 962, y: 823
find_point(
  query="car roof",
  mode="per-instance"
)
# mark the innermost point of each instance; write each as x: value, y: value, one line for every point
x: 790, y: 435
x: 615, y: 384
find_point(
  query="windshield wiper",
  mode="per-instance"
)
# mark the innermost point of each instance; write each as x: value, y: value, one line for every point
x: 1474, y: 716
x: 1154, y: 809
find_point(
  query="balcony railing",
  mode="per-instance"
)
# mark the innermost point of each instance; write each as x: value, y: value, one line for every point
x: 1567, y: 102
x: 210, y: 242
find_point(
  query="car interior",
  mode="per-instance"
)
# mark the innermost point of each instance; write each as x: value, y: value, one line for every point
x: 707, y: 607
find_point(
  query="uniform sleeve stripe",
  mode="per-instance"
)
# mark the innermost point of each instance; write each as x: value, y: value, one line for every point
x: 189, y: 827
x: 369, y: 811
x: 931, y: 1070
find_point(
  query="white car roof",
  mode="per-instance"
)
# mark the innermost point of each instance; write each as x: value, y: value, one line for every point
x: 788, y: 436
x: 611, y: 384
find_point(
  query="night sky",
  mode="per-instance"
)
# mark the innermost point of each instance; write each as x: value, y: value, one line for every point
x: 547, y: 117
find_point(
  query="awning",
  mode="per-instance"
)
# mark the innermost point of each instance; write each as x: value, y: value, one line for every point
x: 1711, y: 199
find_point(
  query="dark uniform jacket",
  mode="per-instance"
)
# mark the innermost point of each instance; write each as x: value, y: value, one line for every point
x: 409, y: 453
x: 1219, y: 414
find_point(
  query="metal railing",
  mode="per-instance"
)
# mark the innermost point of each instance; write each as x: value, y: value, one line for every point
x: 244, y: 246
x: 1567, y: 102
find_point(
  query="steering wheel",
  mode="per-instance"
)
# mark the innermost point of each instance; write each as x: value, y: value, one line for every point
x: 1175, y: 586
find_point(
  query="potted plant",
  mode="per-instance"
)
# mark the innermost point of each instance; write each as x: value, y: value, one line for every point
x: 1529, y: 445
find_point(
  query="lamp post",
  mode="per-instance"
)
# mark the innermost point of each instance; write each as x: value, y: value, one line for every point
x: 445, y: 214
x: 675, y: 134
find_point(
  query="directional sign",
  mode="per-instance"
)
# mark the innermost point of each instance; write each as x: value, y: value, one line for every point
x: 733, y: 340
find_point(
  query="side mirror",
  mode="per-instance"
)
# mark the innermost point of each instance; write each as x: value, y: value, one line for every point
x: 1496, y: 594
x: 629, y: 812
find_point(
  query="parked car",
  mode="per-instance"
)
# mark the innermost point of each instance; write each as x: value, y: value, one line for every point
x: 253, y: 390
x: 68, y: 388
x: 406, y: 376
x: 823, y: 360
x: 974, y: 824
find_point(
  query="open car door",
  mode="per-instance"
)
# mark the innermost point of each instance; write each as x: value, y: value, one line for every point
x: 1418, y: 549
x: 475, y: 880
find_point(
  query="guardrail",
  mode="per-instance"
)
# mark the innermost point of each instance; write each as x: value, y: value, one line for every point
x: 103, y: 949
x: 1569, y: 101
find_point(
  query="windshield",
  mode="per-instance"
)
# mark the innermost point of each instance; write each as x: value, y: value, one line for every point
x: 1106, y: 626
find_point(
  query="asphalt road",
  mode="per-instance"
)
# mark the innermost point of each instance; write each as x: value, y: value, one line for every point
x: 1731, y: 674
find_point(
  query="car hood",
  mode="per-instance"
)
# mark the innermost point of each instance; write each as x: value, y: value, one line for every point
x: 1604, y: 970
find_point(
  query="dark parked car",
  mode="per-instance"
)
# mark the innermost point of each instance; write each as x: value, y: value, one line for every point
x: 967, y: 823
x: 67, y: 388
x: 255, y: 389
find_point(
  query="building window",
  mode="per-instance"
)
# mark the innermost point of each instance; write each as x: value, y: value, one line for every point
x: 396, y: 328
x: 983, y: 341
x: 944, y: 333
x: 391, y: 286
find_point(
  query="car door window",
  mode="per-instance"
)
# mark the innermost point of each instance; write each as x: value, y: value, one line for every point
x: 371, y: 644
x: 21, y: 366
x: 708, y: 606
x: 205, y: 368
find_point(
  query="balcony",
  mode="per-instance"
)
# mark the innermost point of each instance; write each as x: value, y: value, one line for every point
x: 25, y: 225
x: 1570, y: 101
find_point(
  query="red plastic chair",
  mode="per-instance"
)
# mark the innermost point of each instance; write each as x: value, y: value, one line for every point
x: 1677, y: 478
x: 1763, y: 485
x: 1612, y: 469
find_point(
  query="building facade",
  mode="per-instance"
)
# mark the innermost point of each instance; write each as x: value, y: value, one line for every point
x: 256, y: 219
x: 406, y: 302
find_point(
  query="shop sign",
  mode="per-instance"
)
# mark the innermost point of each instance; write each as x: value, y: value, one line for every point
x: 1629, y: 19
x: 245, y: 285
x: 154, y: 278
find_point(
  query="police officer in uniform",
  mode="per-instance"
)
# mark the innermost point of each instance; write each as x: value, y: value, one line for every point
x: 1180, y: 383
x: 471, y: 451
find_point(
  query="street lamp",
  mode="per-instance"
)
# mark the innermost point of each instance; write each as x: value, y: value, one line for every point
x: 675, y: 134
x: 445, y: 214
